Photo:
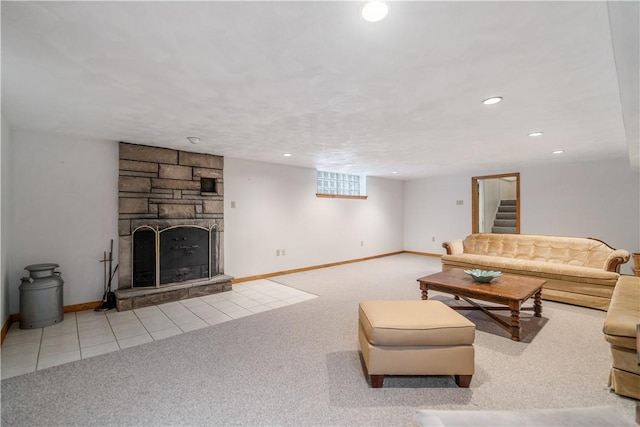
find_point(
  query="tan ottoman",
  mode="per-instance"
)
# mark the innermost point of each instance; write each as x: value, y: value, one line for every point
x: 415, y: 338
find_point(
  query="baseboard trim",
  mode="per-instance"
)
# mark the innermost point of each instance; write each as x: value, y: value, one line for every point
x: 81, y: 307
x: 423, y: 253
x: 313, y: 267
x: 5, y: 328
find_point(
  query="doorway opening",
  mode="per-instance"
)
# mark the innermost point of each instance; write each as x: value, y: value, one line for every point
x: 495, y: 203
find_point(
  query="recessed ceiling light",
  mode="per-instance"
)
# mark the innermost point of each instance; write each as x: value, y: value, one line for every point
x: 536, y: 133
x: 493, y: 100
x: 374, y: 11
x: 558, y: 152
x: 193, y: 139
x: 348, y: 165
x: 394, y: 172
x: 287, y: 154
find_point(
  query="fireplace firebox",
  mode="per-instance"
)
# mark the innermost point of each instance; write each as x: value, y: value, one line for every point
x: 174, y: 254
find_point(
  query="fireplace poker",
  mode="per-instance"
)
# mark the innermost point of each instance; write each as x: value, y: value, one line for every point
x: 104, y: 279
x: 104, y: 282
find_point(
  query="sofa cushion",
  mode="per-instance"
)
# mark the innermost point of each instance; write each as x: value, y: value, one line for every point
x: 534, y: 268
x: 414, y: 323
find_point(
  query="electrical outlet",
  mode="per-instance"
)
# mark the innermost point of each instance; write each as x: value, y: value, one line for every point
x: 283, y: 252
x: 361, y: 242
x: 233, y: 204
x: 277, y: 252
x: 433, y: 239
x: 459, y: 202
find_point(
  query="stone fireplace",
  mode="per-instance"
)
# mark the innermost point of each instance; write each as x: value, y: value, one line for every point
x: 171, y: 226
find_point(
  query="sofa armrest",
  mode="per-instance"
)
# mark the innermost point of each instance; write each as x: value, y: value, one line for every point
x: 453, y: 247
x: 624, y: 311
x: 616, y: 259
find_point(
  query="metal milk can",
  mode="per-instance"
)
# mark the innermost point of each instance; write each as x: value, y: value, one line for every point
x: 41, y: 297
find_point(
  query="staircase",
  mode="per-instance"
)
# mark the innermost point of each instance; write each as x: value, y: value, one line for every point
x: 505, y: 222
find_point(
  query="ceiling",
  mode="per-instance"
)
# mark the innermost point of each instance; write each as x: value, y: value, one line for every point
x: 255, y: 80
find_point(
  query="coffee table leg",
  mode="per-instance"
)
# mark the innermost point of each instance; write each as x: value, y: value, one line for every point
x: 425, y: 292
x: 515, y: 320
x: 537, y: 304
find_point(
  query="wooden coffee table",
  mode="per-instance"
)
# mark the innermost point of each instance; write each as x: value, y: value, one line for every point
x: 508, y: 290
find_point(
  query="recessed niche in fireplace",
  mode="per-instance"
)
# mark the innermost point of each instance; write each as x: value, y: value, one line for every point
x: 208, y: 185
x: 174, y: 254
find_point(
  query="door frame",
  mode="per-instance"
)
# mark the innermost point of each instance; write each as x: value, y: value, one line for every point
x: 475, y: 196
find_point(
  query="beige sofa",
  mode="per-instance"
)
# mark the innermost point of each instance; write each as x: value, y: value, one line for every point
x: 621, y: 330
x: 580, y: 271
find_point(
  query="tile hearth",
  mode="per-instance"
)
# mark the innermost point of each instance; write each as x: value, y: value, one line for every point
x: 89, y: 333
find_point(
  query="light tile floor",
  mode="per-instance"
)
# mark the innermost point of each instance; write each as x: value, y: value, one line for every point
x: 89, y: 333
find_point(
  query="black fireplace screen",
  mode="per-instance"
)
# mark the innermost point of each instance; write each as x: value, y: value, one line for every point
x: 184, y: 253
x: 144, y: 257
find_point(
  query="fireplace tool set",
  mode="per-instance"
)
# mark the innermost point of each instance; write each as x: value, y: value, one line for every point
x: 109, y: 298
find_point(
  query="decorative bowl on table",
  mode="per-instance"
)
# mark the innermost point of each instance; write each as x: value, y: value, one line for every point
x: 483, y: 276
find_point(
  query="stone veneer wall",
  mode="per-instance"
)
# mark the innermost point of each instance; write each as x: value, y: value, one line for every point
x: 160, y: 187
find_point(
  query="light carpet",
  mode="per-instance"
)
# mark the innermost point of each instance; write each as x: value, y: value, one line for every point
x: 300, y: 365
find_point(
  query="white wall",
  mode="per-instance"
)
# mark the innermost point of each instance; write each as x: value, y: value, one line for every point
x: 64, y: 207
x: 598, y: 199
x: 276, y: 208
x: 508, y: 189
x: 5, y: 219
x: 492, y: 197
x: 431, y: 214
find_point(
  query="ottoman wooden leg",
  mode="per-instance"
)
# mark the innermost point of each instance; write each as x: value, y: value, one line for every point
x: 376, y: 381
x: 463, y: 380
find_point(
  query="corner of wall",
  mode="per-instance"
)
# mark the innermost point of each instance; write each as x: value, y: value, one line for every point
x: 5, y: 219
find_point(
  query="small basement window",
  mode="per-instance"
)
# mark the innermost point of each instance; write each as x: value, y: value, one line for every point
x: 342, y: 185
